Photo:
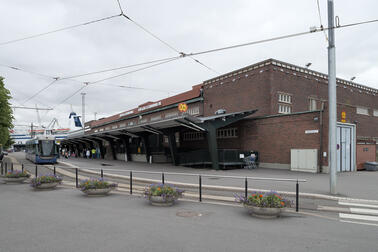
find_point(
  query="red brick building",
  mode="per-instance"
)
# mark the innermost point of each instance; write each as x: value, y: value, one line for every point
x: 273, y: 108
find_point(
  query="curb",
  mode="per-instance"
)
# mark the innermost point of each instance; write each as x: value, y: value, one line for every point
x: 230, y: 189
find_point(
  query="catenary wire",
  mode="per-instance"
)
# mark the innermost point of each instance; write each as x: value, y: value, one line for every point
x: 164, y: 42
x: 58, y: 30
x: 136, y: 70
x: 280, y: 38
x: 320, y: 20
x: 27, y: 71
x: 40, y: 91
x: 236, y: 46
x: 119, y: 68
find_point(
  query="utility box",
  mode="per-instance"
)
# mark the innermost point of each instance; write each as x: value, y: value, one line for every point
x: 366, y: 152
x: 371, y: 166
x: 304, y: 160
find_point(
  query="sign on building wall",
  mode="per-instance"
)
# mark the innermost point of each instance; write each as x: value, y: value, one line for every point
x: 343, y: 117
x: 182, y: 107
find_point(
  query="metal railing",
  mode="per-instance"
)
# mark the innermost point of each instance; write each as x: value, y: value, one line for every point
x: 199, y: 176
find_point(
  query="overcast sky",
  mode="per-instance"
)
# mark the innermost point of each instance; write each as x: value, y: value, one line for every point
x: 189, y: 26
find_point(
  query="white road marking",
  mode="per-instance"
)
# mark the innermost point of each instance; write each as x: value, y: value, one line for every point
x: 357, y: 204
x: 358, y: 217
x: 363, y: 211
x: 358, y: 222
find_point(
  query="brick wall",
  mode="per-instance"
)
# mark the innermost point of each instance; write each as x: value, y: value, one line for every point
x: 274, y: 137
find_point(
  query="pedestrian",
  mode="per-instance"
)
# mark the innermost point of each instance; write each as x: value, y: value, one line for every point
x: 98, y: 154
x: 88, y: 153
x: 93, y: 153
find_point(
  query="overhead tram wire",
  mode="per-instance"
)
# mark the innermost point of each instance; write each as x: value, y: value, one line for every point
x: 40, y: 91
x: 316, y: 30
x: 119, y: 68
x: 320, y: 20
x: 161, y: 40
x: 168, y: 45
x: 239, y: 45
x: 27, y: 71
x: 183, y: 55
x: 58, y: 30
x: 136, y: 70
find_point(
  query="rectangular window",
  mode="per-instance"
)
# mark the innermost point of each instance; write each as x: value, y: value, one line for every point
x: 284, y: 109
x: 193, y: 111
x: 193, y: 136
x: 227, y: 133
x: 375, y: 112
x: 285, y: 98
x: 362, y: 111
x: 312, y: 104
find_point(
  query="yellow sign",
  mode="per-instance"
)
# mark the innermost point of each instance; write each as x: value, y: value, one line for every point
x: 182, y: 107
x: 343, y: 117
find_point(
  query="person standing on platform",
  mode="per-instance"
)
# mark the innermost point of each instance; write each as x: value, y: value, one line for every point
x: 93, y: 153
x: 88, y: 153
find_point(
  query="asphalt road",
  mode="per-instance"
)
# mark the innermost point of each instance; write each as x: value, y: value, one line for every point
x: 66, y: 220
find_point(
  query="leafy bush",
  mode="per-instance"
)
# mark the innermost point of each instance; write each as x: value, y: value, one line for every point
x: 270, y: 199
x: 95, y: 184
x: 35, y: 182
x: 163, y: 190
x: 17, y: 174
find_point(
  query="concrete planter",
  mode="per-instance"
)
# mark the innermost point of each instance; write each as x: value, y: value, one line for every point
x: 14, y: 180
x: 47, y: 185
x: 263, y: 212
x: 162, y: 201
x: 102, y: 191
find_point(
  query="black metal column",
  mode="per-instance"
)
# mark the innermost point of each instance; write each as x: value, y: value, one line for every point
x: 173, y: 147
x: 213, y: 146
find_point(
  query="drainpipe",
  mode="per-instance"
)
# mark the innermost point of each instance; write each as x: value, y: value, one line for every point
x: 321, y: 138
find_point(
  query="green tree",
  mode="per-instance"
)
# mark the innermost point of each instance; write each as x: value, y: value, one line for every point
x: 6, y: 115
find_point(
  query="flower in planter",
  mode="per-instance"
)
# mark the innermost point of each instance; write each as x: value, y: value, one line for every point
x: 35, y: 182
x: 162, y: 190
x: 95, y: 183
x: 17, y: 174
x: 266, y: 200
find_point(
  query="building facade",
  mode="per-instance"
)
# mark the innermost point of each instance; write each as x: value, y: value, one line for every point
x: 275, y: 109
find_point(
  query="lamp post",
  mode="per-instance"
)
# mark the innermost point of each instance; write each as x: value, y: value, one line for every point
x: 83, y: 109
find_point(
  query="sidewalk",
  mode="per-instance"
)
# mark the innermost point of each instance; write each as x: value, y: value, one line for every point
x: 359, y: 185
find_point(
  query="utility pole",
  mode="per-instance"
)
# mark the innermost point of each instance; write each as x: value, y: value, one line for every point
x: 95, y: 114
x: 332, y: 107
x: 31, y: 131
x: 83, y: 109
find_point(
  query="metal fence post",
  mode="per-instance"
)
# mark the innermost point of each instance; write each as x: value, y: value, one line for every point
x: 11, y: 167
x: 200, y: 187
x: 102, y: 173
x: 246, y: 188
x: 131, y: 182
x: 22, y: 168
x: 1, y: 167
x: 297, y: 197
x: 54, y: 170
x: 162, y: 178
x: 36, y: 170
x: 77, y: 177
x: 6, y: 168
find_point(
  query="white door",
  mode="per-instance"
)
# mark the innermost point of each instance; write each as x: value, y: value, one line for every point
x: 345, y: 148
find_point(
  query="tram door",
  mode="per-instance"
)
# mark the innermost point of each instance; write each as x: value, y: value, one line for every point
x: 345, y: 148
